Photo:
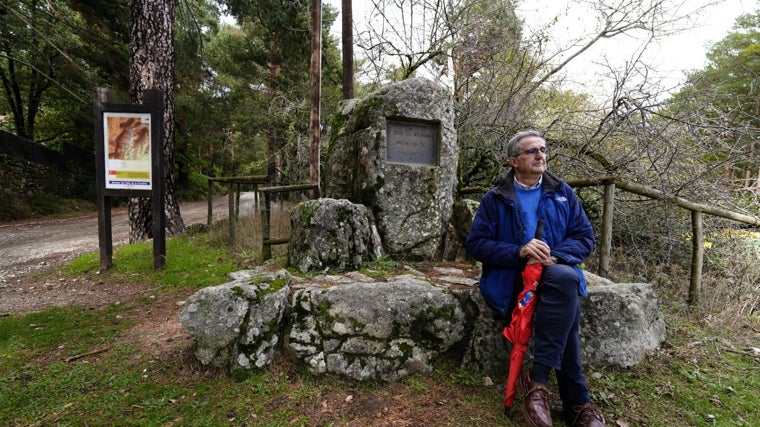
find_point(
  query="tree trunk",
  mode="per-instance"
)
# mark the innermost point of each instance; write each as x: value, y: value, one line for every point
x: 151, y: 66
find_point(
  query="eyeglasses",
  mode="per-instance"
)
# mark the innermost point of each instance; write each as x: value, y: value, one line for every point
x: 533, y: 151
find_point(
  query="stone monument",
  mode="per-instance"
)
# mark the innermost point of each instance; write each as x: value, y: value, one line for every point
x: 395, y: 152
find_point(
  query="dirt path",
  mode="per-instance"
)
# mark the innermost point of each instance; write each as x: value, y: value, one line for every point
x: 30, y: 246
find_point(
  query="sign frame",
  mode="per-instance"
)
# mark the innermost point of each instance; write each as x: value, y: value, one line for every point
x: 127, y: 146
x: 110, y: 109
x: 152, y: 107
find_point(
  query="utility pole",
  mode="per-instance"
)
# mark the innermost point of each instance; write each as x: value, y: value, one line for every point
x: 316, y: 86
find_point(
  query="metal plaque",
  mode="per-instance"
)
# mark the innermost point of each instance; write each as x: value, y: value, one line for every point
x: 415, y: 143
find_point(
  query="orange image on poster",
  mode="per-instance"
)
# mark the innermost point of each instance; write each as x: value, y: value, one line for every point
x: 128, y: 138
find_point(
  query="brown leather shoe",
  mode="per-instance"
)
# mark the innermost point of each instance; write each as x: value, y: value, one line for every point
x: 586, y: 415
x: 535, y: 395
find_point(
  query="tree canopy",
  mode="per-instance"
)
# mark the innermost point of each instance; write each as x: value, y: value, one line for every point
x: 721, y: 105
x: 242, y: 90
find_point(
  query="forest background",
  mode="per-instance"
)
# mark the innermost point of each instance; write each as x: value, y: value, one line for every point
x: 239, y: 84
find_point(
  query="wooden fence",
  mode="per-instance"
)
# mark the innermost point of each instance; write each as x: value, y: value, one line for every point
x: 266, y: 241
x: 611, y: 183
x: 234, y: 184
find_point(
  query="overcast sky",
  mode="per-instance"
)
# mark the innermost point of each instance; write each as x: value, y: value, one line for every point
x: 676, y: 54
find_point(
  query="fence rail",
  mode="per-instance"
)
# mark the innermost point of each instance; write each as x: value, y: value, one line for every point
x: 611, y: 183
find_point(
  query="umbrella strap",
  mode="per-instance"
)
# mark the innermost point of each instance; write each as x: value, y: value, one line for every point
x: 520, y: 347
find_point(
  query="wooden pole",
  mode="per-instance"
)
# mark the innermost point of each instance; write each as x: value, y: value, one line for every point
x: 606, y: 240
x: 316, y: 86
x: 237, y: 201
x: 347, y: 40
x: 697, y: 257
x: 266, y: 249
x: 266, y: 241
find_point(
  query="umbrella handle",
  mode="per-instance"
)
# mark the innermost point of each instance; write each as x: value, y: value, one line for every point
x: 539, y: 229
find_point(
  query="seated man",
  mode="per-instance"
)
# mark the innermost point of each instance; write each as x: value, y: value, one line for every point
x: 501, y: 238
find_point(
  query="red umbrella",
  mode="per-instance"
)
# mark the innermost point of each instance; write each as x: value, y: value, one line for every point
x: 519, y: 330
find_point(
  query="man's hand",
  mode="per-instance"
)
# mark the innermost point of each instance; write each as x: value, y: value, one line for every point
x: 537, y: 251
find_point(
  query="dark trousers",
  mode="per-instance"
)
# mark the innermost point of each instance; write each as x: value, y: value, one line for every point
x: 555, y: 330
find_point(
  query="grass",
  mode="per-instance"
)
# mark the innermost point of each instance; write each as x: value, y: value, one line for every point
x: 706, y: 373
x: 189, y: 263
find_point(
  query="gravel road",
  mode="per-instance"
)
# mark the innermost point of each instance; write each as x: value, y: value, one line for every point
x: 27, y: 246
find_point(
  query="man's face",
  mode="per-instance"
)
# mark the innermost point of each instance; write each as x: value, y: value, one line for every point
x: 527, y: 163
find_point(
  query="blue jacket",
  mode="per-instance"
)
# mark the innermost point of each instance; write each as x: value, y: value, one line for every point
x: 496, y: 236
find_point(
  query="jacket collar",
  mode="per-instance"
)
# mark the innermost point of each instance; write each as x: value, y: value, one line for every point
x: 506, y: 186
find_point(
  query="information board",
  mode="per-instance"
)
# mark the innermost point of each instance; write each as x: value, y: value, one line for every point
x: 127, y: 145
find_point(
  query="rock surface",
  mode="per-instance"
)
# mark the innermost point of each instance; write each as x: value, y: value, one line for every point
x: 375, y: 331
x: 332, y: 234
x: 238, y: 325
x: 620, y: 323
x: 356, y: 327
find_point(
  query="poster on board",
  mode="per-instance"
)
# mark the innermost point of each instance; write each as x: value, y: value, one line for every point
x: 127, y: 142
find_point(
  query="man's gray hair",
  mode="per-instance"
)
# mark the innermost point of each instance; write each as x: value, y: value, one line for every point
x: 513, y: 146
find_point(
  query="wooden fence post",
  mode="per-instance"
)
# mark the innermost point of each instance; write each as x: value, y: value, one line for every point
x: 697, y: 257
x: 237, y: 200
x: 231, y: 214
x: 266, y: 249
x: 266, y: 240
x: 210, y: 202
x: 606, y: 238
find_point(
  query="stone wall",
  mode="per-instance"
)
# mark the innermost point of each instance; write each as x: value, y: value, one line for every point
x: 28, y: 169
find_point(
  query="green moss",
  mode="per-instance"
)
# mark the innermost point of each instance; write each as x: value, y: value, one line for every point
x: 379, y: 140
x: 407, y: 349
x: 277, y: 284
x: 324, y: 307
x: 324, y: 311
x: 237, y: 290
x: 419, y: 331
x: 273, y: 326
x: 306, y: 211
x: 365, y: 111
x: 447, y: 313
x: 358, y: 326
x: 338, y: 122
x: 350, y: 358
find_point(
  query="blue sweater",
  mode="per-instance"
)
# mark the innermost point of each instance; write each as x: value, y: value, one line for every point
x: 497, y: 234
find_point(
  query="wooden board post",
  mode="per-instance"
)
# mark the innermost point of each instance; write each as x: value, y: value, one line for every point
x: 105, y: 235
x: 122, y: 135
